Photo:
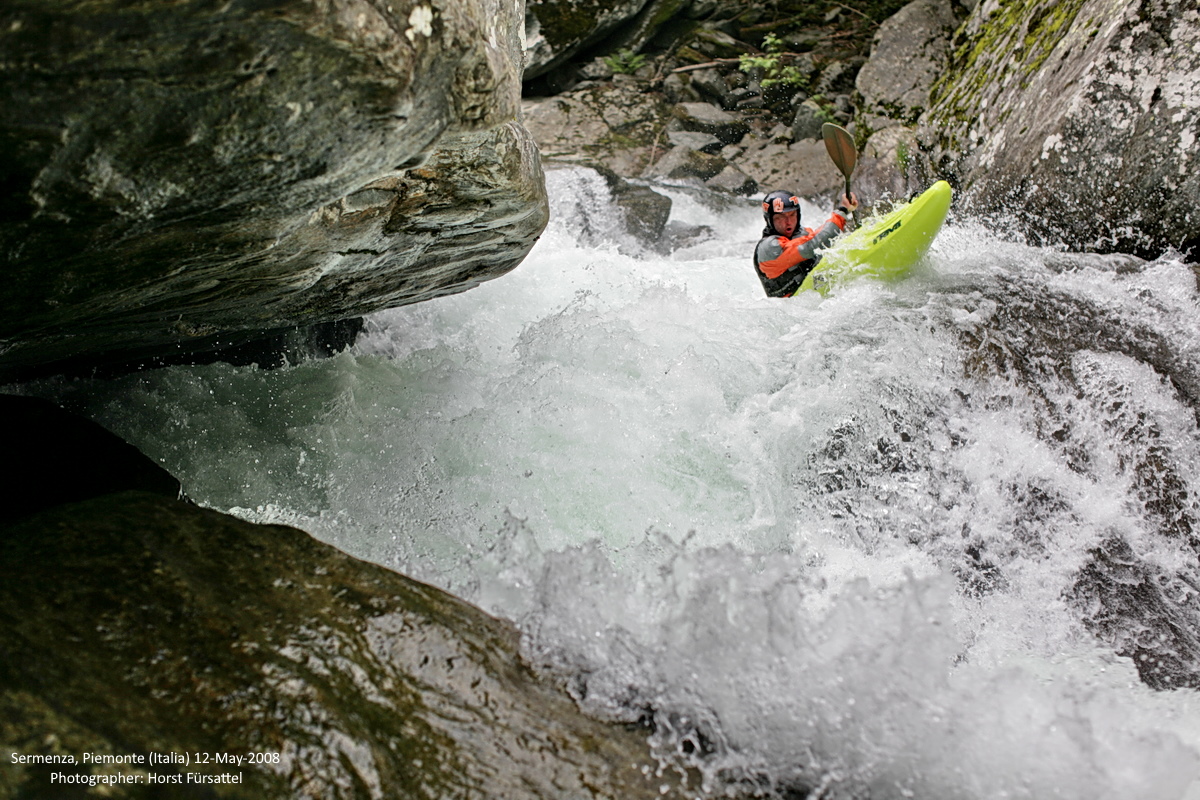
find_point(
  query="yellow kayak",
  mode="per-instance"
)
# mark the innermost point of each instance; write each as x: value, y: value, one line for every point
x: 884, y: 247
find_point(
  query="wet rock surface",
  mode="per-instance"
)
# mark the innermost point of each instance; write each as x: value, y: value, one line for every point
x: 182, y: 176
x: 644, y: 210
x: 1078, y: 121
x: 1061, y: 350
x: 134, y: 622
x: 192, y: 631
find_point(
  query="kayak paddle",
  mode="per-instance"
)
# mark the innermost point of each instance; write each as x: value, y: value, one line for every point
x: 841, y: 149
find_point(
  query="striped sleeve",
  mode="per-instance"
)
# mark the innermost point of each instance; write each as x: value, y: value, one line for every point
x: 776, y: 255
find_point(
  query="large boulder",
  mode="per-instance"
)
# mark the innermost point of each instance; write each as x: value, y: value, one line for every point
x: 133, y: 624
x: 180, y: 175
x: 609, y: 125
x: 908, y: 53
x: 555, y: 30
x: 1077, y: 120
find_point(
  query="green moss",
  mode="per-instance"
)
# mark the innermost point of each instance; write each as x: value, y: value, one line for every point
x: 903, y: 157
x: 1012, y: 44
x: 862, y: 132
x: 1045, y: 30
x: 620, y: 141
x: 690, y: 55
x: 775, y: 67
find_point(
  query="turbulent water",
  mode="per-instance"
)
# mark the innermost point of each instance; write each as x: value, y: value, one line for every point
x: 936, y: 540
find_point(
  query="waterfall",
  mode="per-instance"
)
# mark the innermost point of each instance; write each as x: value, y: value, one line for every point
x: 936, y: 539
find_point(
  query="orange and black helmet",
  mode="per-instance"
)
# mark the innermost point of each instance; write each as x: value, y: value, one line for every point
x: 779, y: 202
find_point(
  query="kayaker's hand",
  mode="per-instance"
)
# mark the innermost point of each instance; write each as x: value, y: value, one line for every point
x: 849, y: 204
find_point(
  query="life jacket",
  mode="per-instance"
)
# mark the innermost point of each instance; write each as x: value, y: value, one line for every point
x: 782, y: 264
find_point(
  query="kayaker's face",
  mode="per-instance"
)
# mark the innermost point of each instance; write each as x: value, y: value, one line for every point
x: 785, y: 223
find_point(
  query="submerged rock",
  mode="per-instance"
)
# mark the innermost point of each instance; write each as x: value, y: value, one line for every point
x: 1058, y: 346
x: 1145, y: 612
x: 177, y: 173
x: 644, y: 211
x: 1077, y: 119
x: 134, y: 623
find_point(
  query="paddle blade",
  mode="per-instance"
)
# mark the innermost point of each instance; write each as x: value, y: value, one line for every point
x: 841, y: 148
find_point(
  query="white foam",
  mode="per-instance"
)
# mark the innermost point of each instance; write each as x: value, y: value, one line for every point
x: 817, y: 537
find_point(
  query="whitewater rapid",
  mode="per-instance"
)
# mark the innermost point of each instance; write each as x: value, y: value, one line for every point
x: 826, y: 543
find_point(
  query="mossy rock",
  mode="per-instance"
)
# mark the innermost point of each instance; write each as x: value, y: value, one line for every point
x: 133, y: 624
x: 1077, y: 120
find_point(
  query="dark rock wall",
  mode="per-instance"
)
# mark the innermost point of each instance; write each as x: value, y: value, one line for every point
x: 171, y: 172
x: 556, y: 30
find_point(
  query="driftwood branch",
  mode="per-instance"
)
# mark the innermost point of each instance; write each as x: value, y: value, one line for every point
x: 716, y: 63
x: 862, y: 14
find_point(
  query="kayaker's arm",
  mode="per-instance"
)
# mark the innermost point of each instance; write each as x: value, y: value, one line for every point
x: 782, y: 263
x: 777, y: 255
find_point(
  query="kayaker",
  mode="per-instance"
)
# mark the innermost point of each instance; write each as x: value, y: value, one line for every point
x: 788, y: 252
